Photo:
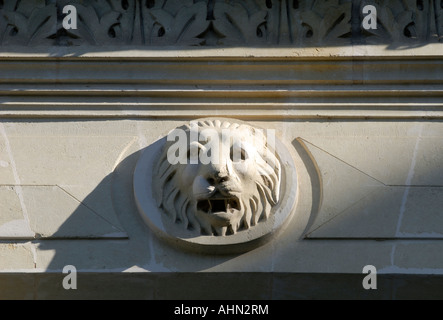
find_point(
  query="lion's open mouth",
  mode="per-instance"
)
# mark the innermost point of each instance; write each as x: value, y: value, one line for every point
x: 215, y: 205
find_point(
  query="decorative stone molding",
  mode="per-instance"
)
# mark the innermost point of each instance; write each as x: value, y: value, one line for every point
x: 219, y: 22
x: 406, y: 21
x: 243, y: 193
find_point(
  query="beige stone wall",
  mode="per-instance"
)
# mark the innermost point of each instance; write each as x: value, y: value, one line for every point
x: 362, y: 122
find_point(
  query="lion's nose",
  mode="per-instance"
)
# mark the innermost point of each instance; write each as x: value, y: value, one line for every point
x: 217, y: 179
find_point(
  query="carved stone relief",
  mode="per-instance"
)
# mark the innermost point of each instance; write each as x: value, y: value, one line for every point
x: 216, y: 182
x: 403, y: 21
x: 218, y: 22
x: 23, y: 23
x: 226, y: 194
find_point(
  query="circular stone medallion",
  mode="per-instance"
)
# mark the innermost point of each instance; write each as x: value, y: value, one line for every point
x: 216, y: 185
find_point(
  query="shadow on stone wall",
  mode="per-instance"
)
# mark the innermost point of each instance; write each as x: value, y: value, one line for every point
x: 141, y: 250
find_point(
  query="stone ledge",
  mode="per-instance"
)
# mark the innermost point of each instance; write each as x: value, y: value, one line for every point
x: 230, y: 286
x: 355, y: 52
x: 406, y: 86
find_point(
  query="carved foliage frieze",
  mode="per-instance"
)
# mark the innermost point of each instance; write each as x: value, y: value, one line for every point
x: 219, y: 22
x: 408, y: 20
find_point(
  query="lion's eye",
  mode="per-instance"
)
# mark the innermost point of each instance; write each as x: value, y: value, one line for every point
x: 238, y: 154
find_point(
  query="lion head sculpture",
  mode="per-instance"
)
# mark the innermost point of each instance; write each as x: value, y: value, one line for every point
x: 218, y: 177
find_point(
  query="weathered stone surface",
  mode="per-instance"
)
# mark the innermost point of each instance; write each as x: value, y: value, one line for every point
x: 17, y: 257
x: 14, y: 219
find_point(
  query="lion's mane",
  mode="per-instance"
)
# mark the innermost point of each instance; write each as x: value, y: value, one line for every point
x: 175, y: 197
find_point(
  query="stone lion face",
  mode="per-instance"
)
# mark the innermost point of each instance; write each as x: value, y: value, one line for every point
x: 225, y: 180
